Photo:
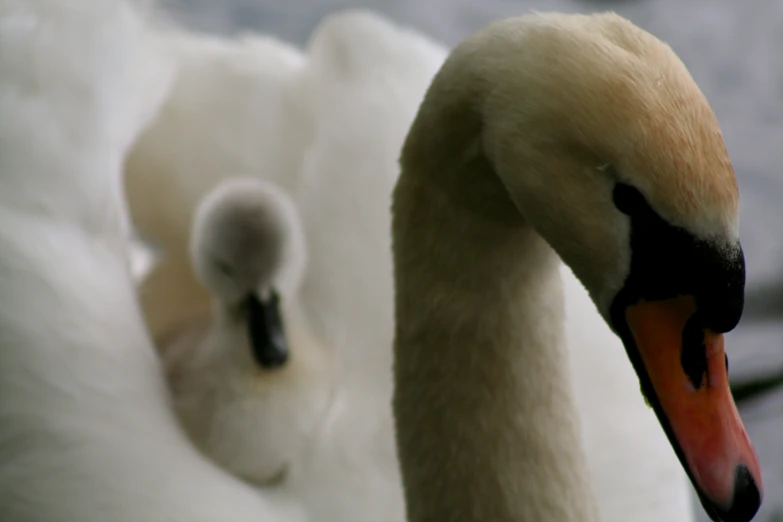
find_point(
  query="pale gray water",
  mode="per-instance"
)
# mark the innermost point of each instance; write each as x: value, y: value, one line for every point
x: 729, y: 47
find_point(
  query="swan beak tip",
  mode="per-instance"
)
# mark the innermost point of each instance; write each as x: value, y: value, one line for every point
x: 746, y: 501
x: 687, y: 375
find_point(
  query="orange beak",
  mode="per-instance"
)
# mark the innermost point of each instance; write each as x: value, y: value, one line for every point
x: 694, y: 404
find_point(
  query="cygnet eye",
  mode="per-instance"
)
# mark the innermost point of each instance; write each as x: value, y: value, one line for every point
x: 225, y: 268
x: 266, y: 331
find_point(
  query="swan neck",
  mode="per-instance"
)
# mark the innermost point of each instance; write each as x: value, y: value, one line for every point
x: 486, y: 427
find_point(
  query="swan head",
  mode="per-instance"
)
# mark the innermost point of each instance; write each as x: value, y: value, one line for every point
x: 247, y: 248
x: 611, y: 152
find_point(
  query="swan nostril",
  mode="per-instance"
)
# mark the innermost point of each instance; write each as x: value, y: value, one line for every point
x: 693, y: 357
x: 266, y: 331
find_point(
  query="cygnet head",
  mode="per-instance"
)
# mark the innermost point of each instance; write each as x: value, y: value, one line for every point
x: 247, y: 248
x: 249, y: 383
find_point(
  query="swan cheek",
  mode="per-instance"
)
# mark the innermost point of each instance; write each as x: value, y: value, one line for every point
x: 686, y: 366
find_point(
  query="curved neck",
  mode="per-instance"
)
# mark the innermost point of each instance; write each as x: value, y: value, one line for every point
x: 486, y: 428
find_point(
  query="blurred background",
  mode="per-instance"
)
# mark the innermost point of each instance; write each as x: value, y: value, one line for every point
x: 733, y: 50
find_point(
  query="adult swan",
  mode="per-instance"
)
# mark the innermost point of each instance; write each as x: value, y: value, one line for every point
x: 581, y: 137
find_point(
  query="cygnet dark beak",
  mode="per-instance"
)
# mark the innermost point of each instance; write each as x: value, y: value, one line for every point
x: 266, y: 332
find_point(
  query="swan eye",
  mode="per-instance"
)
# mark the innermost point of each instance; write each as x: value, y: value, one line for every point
x: 265, y: 330
x: 630, y: 201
